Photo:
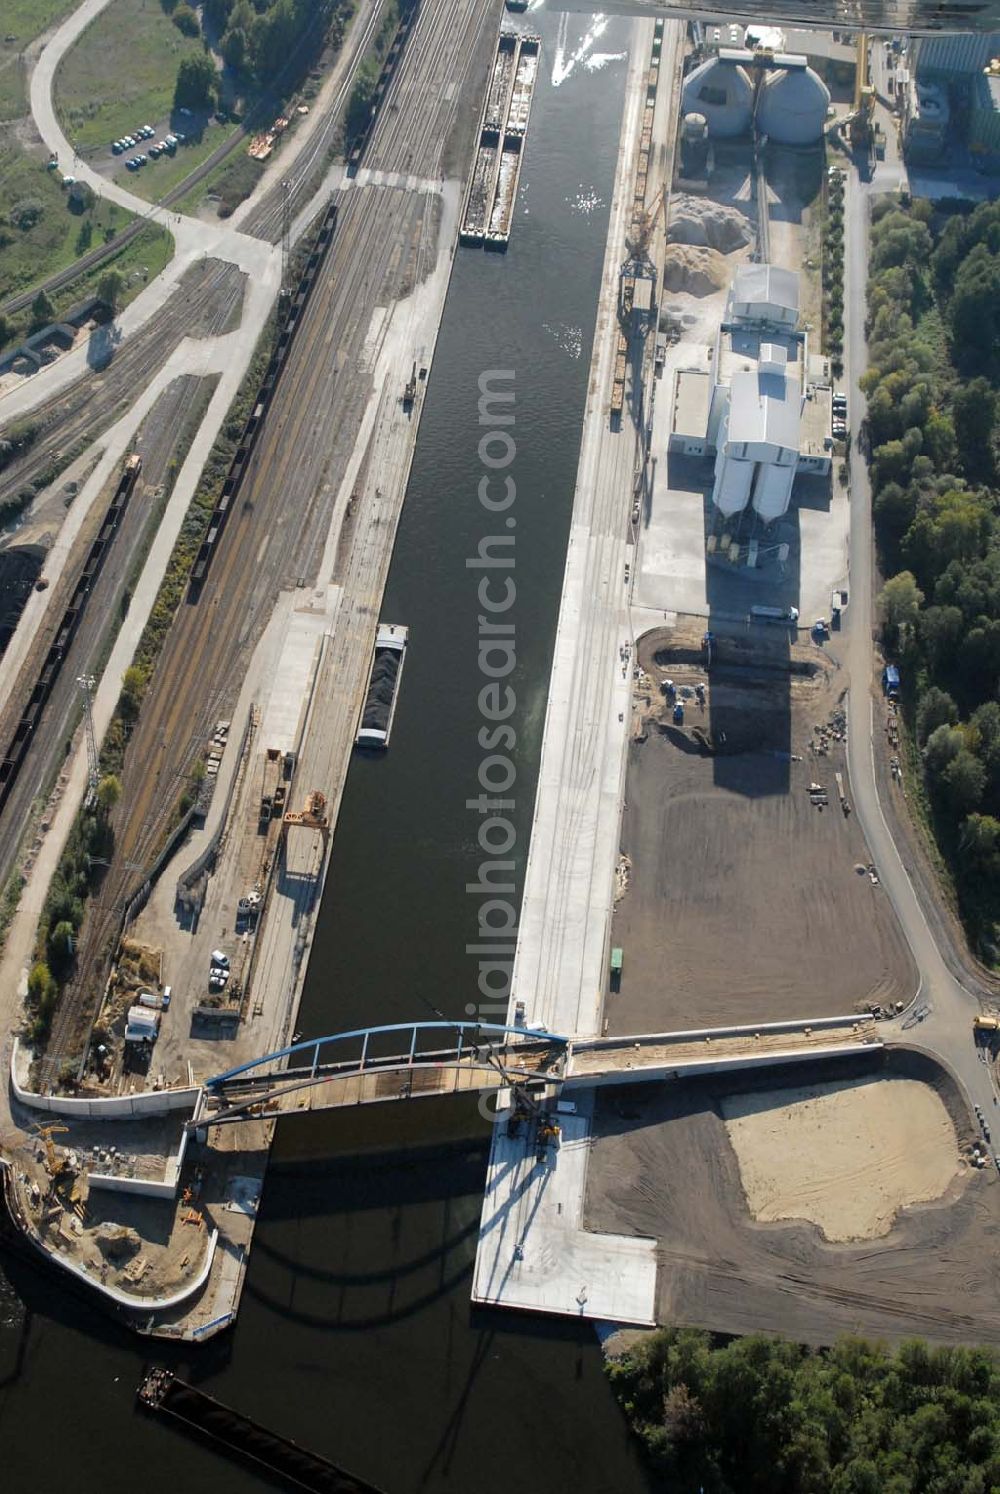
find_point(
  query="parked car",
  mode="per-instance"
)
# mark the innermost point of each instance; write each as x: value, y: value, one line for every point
x: 155, y: 152
x: 218, y: 958
x: 117, y: 148
x: 131, y: 164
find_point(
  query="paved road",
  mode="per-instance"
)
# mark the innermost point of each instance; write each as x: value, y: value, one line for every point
x: 945, y: 1031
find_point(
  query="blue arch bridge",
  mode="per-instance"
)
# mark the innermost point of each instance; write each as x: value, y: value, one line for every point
x: 408, y: 1059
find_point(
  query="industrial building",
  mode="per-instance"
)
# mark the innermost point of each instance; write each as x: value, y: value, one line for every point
x: 763, y: 407
x: 778, y: 90
x: 945, y: 59
x: 984, y: 116
x: 952, y: 81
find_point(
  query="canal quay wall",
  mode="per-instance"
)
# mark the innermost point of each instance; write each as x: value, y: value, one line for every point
x: 533, y: 1252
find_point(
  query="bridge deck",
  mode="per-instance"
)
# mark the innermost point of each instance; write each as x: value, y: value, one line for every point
x: 527, y: 1060
x: 606, y: 1060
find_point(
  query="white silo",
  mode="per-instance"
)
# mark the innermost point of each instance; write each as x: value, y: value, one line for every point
x: 772, y: 491
x: 792, y: 106
x: 723, y: 93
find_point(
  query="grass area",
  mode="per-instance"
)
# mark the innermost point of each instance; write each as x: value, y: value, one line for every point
x: 159, y: 177
x: 40, y: 231
x: 231, y: 183
x: 121, y: 72
x: 140, y: 261
x: 20, y: 22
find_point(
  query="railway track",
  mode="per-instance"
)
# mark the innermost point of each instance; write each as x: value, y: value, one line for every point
x: 276, y: 535
x: 157, y: 443
x: 97, y: 398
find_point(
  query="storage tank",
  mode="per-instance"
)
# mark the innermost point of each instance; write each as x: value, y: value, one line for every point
x: 723, y: 94
x: 773, y: 491
x: 694, y: 144
x: 792, y: 106
x: 733, y: 478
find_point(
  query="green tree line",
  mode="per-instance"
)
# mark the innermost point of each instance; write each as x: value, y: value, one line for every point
x: 934, y: 353
x: 761, y: 1416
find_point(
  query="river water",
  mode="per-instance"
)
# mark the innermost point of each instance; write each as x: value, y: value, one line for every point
x: 356, y: 1336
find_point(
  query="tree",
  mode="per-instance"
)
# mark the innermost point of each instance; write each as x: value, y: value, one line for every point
x: 979, y: 847
x: 186, y: 21
x: 61, y: 946
x: 110, y: 287
x: 133, y: 689
x: 359, y: 107
x: 943, y: 746
x: 900, y: 602
x: 975, y: 310
x: 109, y: 792
x: 39, y: 981
x: 962, y: 782
x: 936, y: 709
x: 196, y: 83
x: 42, y: 311
x: 974, y: 410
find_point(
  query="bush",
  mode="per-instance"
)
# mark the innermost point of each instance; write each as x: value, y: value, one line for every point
x: 25, y: 214
x: 186, y: 21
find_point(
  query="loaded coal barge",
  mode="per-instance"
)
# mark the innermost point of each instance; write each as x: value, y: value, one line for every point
x: 379, y: 710
x: 164, y: 1394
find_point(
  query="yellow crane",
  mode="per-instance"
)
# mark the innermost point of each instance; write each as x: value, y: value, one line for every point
x: 54, y: 1164
x: 864, y: 96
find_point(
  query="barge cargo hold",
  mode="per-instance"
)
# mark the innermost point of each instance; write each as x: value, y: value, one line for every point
x: 498, y: 232
x: 496, y: 172
x: 524, y: 86
x: 379, y: 710
x: 162, y: 1393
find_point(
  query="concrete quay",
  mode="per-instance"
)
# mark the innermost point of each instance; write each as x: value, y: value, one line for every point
x: 533, y: 1252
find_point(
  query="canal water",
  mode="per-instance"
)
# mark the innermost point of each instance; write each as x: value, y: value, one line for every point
x: 356, y: 1335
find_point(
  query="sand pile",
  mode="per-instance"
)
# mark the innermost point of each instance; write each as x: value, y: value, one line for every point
x: 699, y: 272
x: 695, y: 220
x: 846, y: 1156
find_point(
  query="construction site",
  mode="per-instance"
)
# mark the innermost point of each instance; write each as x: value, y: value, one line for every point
x: 737, y: 827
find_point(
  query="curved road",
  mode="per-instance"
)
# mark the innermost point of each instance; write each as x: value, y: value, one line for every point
x: 945, y: 1030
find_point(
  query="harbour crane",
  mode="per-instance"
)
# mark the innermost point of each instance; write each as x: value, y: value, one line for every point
x: 54, y: 1164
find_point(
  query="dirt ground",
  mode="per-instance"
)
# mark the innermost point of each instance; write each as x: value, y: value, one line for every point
x: 742, y: 893
x: 844, y: 1155
x: 662, y: 1166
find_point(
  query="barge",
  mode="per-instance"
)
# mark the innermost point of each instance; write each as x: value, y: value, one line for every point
x: 379, y: 710
x: 496, y: 171
x: 162, y: 1393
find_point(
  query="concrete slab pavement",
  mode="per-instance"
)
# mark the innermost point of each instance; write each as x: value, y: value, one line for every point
x: 533, y: 1252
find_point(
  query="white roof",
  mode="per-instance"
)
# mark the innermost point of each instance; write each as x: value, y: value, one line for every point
x: 767, y: 285
x: 764, y: 409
